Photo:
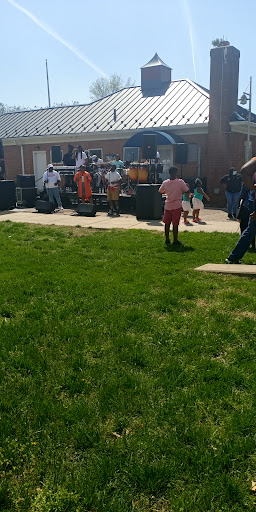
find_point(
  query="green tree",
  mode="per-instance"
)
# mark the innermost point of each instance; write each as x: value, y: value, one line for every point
x: 104, y: 86
x: 220, y: 42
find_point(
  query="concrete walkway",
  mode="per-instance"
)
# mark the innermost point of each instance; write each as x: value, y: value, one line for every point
x: 212, y: 220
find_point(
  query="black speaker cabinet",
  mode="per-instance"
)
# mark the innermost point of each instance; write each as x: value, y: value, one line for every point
x: 26, y: 197
x: 87, y: 209
x: 44, y: 206
x: 56, y: 155
x: 149, y: 203
x: 181, y: 154
x: 25, y: 180
x: 7, y: 194
x: 149, y: 146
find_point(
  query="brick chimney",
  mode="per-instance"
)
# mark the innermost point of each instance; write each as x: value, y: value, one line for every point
x: 223, y: 102
x: 223, y: 87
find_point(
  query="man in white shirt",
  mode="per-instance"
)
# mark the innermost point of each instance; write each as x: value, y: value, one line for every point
x: 80, y: 156
x: 113, y: 177
x: 51, y: 181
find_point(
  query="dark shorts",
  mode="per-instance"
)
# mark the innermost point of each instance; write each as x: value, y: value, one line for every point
x: 172, y: 216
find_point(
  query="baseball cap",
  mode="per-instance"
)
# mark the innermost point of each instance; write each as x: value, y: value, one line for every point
x: 50, y: 166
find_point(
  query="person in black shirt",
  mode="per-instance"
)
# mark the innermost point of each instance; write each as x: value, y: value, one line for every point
x: 67, y: 158
x: 233, y: 182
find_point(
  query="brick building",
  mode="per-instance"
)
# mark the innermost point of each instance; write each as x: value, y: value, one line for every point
x: 202, y: 132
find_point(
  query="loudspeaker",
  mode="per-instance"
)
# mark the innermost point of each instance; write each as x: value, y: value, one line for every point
x: 26, y: 196
x: 149, y: 203
x: 149, y: 146
x: 25, y: 180
x: 181, y: 156
x: 87, y: 209
x: 56, y: 155
x: 7, y: 194
x: 44, y: 206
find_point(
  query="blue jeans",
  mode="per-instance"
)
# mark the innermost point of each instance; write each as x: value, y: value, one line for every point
x: 244, y: 242
x: 232, y: 201
x: 54, y: 193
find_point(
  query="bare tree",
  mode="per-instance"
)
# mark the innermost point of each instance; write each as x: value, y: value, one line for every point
x: 104, y: 86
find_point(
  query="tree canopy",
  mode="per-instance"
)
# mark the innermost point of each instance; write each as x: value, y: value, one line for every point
x: 104, y: 86
x: 220, y: 42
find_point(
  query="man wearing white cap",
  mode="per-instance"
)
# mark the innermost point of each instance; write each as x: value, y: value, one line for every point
x: 51, y: 181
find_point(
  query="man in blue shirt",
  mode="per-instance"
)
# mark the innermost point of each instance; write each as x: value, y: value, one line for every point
x: 248, y: 174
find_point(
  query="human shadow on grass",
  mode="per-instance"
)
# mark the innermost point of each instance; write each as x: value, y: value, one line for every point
x: 179, y: 248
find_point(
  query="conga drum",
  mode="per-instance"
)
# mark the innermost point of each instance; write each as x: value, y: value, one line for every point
x: 133, y: 173
x: 143, y: 173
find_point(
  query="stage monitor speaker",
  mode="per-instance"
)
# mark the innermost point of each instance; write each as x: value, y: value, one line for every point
x: 149, y: 203
x: 56, y: 155
x: 181, y: 156
x: 87, y: 209
x: 25, y: 180
x: 26, y: 196
x: 7, y: 194
x: 149, y: 146
x: 44, y: 206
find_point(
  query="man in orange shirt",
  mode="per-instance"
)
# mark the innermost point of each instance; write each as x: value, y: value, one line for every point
x: 83, y: 180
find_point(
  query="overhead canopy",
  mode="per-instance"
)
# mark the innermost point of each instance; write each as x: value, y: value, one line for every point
x: 163, y: 139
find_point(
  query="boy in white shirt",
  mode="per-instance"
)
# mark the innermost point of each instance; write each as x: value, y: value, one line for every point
x: 113, y: 177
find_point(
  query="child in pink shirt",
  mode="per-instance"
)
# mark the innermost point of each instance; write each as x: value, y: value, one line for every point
x: 173, y: 188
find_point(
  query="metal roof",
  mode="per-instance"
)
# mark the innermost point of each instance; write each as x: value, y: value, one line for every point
x: 184, y: 103
x: 155, y: 61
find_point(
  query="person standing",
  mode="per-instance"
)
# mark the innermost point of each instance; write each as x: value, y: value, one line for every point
x: 83, y: 180
x: 68, y: 157
x: 118, y: 163
x: 233, y: 182
x: 113, y: 177
x: 51, y: 180
x: 80, y: 157
x: 197, y: 200
x: 186, y: 207
x: 248, y: 175
x: 173, y: 188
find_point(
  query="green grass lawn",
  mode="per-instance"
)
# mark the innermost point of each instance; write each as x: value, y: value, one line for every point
x: 127, y: 378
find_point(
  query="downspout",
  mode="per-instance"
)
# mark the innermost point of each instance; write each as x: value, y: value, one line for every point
x: 22, y: 159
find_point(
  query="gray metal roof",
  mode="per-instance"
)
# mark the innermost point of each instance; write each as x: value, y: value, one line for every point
x: 184, y: 103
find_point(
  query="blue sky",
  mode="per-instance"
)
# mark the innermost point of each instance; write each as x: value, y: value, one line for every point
x: 84, y: 40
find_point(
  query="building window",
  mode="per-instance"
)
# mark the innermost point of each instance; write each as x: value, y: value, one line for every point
x: 59, y: 159
x: 131, y: 154
x: 97, y: 152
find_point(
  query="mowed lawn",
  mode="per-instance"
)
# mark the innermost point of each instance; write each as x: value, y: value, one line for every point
x: 128, y: 379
